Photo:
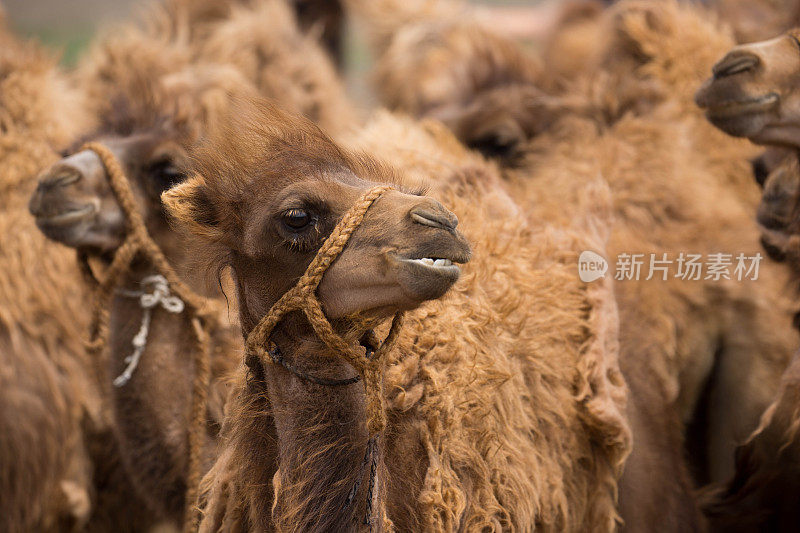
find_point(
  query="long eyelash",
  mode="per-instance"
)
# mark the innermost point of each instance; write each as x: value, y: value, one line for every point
x: 422, y: 190
x: 305, y: 241
x: 417, y: 190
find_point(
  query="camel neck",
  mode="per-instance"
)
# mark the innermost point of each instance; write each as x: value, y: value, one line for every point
x: 324, y: 462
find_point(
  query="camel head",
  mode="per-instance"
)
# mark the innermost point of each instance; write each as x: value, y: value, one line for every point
x: 752, y: 92
x: 270, y: 187
x: 148, y: 128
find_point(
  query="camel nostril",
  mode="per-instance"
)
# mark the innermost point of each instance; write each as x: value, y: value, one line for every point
x: 64, y: 177
x: 434, y: 216
x: 735, y: 64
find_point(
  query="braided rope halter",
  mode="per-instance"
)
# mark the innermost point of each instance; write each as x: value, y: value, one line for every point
x: 202, y: 312
x: 302, y: 297
x: 369, y: 364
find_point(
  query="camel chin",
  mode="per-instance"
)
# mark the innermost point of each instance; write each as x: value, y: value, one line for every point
x: 427, y: 278
x: 80, y: 226
x: 743, y: 118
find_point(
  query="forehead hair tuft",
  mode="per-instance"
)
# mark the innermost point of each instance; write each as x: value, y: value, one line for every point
x: 259, y: 141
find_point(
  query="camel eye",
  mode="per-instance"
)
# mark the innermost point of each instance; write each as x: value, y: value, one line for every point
x: 296, y: 219
x: 165, y: 175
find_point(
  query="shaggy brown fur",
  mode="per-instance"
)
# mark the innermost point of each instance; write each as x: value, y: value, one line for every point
x: 764, y: 495
x: 153, y: 122
x: 53, y: 424
x: 265, y: 43
x: 152, y: 409
x: 260, y: 38
x: 673, y: 179
x: 505, y: 398
x: 713, y: 352
x: 149, y: 87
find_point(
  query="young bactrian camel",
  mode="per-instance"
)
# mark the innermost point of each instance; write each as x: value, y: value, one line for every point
x: 753, y: 94
x: 504, y: 401
x: 689, y: 335
x: 59, y: 468
x: 149, y: 136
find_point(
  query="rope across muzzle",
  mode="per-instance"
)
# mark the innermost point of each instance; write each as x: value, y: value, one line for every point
x: 302, y: 297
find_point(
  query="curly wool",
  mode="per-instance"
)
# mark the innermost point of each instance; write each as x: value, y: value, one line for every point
x: 52, y: 419
x: 264, y: 42
x: 678, y: 185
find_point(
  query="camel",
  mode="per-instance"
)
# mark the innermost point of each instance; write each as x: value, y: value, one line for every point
x: 628, y: 134
x: 156, y: 94
x: 151, y: 407
x: 464, y: 365
x: 751, y: 94
x: 756, y: 100
x: 60, y: 469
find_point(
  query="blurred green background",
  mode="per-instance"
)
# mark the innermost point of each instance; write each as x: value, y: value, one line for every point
x: 67, y: 26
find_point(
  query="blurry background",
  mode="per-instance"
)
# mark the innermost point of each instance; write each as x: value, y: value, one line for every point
x: 68, y: 25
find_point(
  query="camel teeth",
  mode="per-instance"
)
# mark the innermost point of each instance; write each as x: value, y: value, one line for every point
x: 429, y: 261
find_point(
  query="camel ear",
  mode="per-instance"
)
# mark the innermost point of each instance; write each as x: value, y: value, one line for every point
x: 190, y: 204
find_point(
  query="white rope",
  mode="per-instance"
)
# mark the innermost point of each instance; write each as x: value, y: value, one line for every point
x: 159, y: 295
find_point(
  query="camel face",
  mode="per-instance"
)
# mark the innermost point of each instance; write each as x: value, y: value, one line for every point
x: 270, y: 194
x: 74, y: 204
x: 405, y: 251
x: 149, y: 128
x: 752, y: 92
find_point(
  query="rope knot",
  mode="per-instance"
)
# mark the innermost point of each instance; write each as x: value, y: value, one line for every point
x: 160, y: 295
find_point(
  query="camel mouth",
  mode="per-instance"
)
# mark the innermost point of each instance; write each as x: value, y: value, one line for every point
x: 429, y: 267
x: 427, y: 278
x: 68, y: 218
x: 439, y: 265
x: 737, y: 108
